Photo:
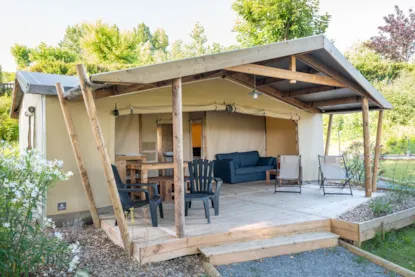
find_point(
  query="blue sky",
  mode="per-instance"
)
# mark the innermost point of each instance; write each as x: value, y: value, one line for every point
x: 30, y: 22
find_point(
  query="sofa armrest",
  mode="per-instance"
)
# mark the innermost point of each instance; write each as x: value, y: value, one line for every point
x: 267, y: 161
x: 225, y: 169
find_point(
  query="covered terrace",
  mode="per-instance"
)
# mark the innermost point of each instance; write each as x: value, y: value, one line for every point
x: 297, y: 80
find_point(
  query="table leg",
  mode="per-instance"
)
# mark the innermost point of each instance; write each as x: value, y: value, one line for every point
x: 132, y: 181
x: 122, y: 170
x: 144, y: 180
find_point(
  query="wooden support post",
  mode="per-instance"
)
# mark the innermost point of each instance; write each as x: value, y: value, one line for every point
x: 377, y: 152
x: 78, y: 156
x: 326, y: 152
x: 293, y: 67
x: 106, y: 163
x: 178, y: 157
x: 366, y: 146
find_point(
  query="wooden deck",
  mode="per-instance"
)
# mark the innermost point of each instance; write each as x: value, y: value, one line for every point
x: 247, y: 211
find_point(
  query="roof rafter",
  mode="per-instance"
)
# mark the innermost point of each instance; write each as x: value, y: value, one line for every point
x: 313, y: 62
x: 304, y: 91
x: 335, y: 102
x: 247, y: 81
x: 284, y: 74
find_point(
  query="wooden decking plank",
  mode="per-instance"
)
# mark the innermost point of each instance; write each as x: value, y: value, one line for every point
x: 265, y: 243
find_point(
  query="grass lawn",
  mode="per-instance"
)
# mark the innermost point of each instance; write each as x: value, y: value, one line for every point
x: 398, y: 247
x: 400, y: 170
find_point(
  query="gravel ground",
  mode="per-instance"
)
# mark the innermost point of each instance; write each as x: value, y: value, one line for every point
x: 101, y: 257
x: 335, y: 261
x: 363, y: 212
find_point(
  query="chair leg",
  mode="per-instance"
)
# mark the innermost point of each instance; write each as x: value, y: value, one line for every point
x: 153, y: 213
x: 186, y: 208
x: 216, y: 205
x: 161, y: 210
x: 276, y: 180
x: 206, y: 204
x: 190, y: 204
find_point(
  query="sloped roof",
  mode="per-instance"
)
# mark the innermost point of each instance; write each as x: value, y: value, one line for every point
x: 275, y: 55
x: 278, y: 54
x: 38, y: 83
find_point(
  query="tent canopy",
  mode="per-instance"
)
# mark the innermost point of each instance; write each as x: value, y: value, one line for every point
x: 307, y: 73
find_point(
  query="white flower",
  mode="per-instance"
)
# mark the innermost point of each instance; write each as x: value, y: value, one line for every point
x: 6, y: 224
x: 58, y: 235
x: 69, y: 173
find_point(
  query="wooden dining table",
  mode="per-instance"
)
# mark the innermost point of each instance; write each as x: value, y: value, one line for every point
x: 145, y: 167
x: 122, y: 161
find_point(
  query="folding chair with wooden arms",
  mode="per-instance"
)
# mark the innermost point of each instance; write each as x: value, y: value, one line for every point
x: 333, y: 173
x: 289, y: 173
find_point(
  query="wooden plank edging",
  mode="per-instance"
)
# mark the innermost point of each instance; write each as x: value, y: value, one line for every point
x: 211, y: 270
x: 362, y: 231
x: 378, y: 260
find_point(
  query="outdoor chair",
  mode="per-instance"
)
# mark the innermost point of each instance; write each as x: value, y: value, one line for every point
x: 333, y: 174
x: 200, y: 180
x: 127, y: 203
x: 289, y: 173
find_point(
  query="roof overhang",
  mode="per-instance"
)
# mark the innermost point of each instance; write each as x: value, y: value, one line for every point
x: 325, y: 81
x: 314, y: 54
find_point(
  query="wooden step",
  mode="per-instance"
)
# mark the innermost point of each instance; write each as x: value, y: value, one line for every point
x: 258, y: 249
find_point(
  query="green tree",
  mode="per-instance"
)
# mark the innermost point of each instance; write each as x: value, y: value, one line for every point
x: 160, y: 40
x: 21, y: 54
x: 72, y: 39
x: 9, y: 129
x: 142, y: 33
x: 44, y: 52
x: 267, y: 21
x: 373, y: 66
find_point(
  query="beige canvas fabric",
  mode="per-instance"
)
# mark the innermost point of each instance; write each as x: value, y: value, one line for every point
x: 331, y: 168
x: 289, y: 167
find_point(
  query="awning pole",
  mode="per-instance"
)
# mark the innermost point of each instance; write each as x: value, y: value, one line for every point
x: 377, y: 152
x: 366, y: 146
x: 106, y: 163
x: 78, y: 156
x: 326, y: 152
x: 179, y: 201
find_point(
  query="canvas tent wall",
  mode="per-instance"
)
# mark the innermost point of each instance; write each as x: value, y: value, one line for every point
x: 147, y: 91
x: 222, y: 133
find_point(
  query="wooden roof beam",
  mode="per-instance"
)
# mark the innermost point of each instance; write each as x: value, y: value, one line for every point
x: 124, y: 89
x: 284, y: 74
x: 306, y: 91
x: 313, y: 62
x: 335, y: 102
x: 247, y: 81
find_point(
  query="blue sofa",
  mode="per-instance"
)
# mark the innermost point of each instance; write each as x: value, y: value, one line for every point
x: 241, y: 167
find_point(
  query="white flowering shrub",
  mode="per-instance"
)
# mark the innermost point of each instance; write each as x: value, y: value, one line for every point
x: 27, y: 240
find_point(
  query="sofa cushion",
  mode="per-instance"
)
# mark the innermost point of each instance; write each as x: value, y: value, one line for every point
x: 248, y: 159
x: 265, y: 161
x: 252, y: 169
x: 230, y: 156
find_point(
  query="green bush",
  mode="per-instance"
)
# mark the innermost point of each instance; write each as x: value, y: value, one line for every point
x: 27, y: 240
x: 380, y: 206
x: 9, y: 128
x: 355, y: 162
x: 400, y: 145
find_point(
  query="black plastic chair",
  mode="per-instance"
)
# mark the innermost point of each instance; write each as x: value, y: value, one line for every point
x: 127, y: 203
x: 200, y: 179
